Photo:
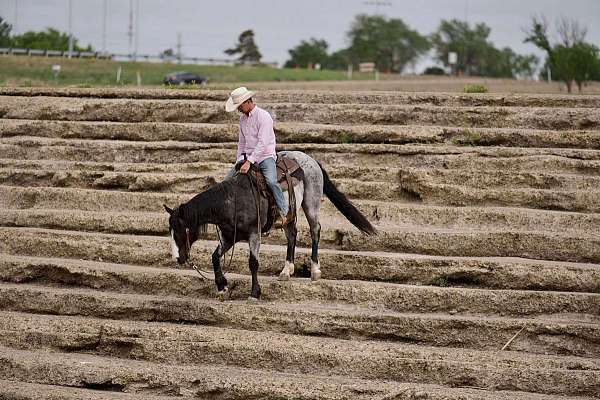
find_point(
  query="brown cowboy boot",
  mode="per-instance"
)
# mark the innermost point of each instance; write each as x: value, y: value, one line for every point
x: 282, y: 220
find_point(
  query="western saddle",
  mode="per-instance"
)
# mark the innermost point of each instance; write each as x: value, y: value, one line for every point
x: 289, y: 174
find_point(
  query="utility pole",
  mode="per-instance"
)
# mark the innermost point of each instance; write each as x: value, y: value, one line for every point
x: 70, y: 28
x: 137, y: 29
x: 179, y: 55
x: 104, y: 18
x: 16, y: 17
x: 130, y: 31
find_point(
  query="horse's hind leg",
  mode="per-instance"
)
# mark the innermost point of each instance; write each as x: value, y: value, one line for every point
x: 311, y: 210
x: 254, y: 244
x: 291, y: 233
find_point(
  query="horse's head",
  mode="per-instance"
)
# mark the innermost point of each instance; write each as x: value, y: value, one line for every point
x: 180, y: 235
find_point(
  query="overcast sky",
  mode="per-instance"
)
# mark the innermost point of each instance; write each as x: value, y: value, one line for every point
x: 209, y: 27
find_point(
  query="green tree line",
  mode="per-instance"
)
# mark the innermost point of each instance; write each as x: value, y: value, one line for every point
x: 50, y: 39
x: 392, y: 45
x: 572, y: 59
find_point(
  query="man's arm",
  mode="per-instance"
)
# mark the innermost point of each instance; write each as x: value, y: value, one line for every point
x: 241, y: 145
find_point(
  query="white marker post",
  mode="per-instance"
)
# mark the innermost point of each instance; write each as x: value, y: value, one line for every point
x: 56, y: 71
x: 452, y: 60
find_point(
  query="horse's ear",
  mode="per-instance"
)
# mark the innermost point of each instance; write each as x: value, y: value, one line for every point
x: 170, y: 211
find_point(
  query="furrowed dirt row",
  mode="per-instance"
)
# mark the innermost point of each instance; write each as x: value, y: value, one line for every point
x: 123, y: 110
x: 483, y: 282
x: 315, y: 96
x: 297, y: 132
x: 571, y: 246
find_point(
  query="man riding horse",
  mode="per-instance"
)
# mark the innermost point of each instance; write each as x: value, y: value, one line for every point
x: 232, y: 206
x: 256, y: 145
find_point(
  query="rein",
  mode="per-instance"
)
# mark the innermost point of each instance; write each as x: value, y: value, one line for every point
x: 234, y: 229
x: 189, y: 262
x: 188, y: 245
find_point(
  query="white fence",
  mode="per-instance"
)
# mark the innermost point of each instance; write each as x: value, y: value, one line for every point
x: 125, y: 57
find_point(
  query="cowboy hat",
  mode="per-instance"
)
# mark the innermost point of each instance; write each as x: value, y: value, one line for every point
x: 237, y: 97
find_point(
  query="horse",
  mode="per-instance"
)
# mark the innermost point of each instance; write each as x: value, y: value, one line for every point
x: 231, y: 206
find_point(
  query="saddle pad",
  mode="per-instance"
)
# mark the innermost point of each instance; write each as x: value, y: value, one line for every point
x: 284, y: 166
x: 287, y: 165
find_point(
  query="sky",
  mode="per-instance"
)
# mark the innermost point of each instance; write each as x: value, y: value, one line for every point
x: 209, y: 27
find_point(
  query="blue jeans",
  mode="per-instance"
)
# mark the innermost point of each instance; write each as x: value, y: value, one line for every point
x: 269, y: 170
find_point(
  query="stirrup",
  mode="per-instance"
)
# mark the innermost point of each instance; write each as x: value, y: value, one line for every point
x: 281, y: 220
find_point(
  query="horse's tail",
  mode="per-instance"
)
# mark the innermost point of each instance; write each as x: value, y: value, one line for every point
x: 341, y: 202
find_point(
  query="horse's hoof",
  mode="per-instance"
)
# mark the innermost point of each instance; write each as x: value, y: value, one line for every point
x: 315, y: 271
x: 315, y: 275
x: 252, y: 299
x: 290, y: 267
x: 223, y: 293
x: 284, y: 276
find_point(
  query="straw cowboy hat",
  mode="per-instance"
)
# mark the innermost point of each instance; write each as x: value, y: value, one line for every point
x: 237, y: 97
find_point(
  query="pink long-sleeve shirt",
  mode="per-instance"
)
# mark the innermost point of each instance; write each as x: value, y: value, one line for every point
x: 257, y: 138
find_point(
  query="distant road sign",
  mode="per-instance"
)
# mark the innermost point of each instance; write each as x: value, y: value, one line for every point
x: 366, y: 67
x: 452, y: 58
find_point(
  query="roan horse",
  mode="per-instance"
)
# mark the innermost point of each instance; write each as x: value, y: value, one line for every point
x: 231, y: 205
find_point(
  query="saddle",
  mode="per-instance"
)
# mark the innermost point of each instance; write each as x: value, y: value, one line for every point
x: 289, y: 174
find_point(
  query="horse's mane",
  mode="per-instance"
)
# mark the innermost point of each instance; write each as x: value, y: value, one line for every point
x: 205, y: 205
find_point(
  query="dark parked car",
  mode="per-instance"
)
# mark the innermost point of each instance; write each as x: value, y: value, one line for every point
x: 184, y: 78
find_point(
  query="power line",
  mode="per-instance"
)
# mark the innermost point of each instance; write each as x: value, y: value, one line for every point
x: 377, y: 4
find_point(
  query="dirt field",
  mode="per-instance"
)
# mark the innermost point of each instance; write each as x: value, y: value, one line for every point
x: 483, y: 283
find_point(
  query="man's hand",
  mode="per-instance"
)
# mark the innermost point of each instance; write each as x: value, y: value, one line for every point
x: 245, y: 167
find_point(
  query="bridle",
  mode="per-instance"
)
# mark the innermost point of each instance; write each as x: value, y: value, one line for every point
x: 188, y: 245
x: 188, y: 262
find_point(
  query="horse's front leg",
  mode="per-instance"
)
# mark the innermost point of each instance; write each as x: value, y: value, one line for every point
x: 254, y: 244
x: 224, y: 245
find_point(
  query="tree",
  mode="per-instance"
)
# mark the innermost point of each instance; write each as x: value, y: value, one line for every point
x: 50, y: 39
x: 5, y: 28
x: 586, y: 65
x: 315, y: 51
x: 308, y: 53
x: 389, y: 43
x: 338, y: 60
x: 476, y: 55
x: 525, y: 66
x: 538, y: 34
x: 168, y: 53
x: 246, y: 47
x: 471, y: 45
x: 505, y: 63
x: 571, y: 60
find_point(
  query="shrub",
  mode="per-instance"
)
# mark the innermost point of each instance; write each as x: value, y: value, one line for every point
x: 476, y: 89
